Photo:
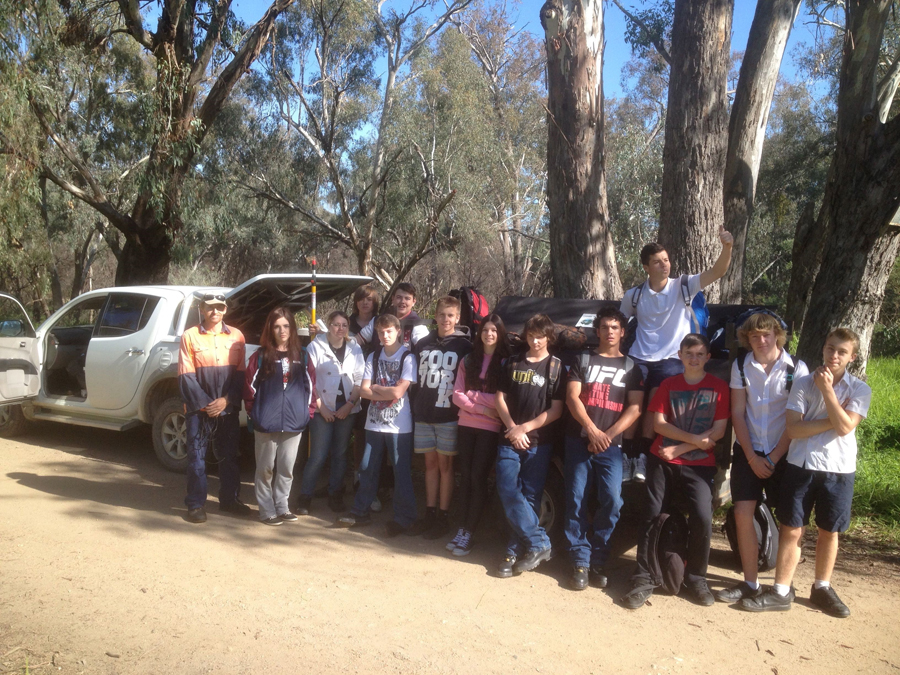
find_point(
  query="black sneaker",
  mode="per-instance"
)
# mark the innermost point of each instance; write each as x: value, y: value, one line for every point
x: 638, y: 595
x: 421, y: 526
x: 506, y: 568
x: 439, y: 529
x: 274, y: 521
x: 393, y: 528
x: 768, y: 601
x: 336, y: 503
x: 737, y: 593
x: 829, y: 602
x: 303, y: 504
x: 287, y: 517
x: 699, y: 592
x: 532, y: 559
x: 598, y: 576
x: 237, y: 507
x: 197, y: 515
x: 580, y: 578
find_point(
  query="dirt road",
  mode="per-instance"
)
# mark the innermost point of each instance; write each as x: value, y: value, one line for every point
x: 99, y: 573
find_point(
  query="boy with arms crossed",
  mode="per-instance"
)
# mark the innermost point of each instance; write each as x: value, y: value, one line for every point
x: 529, y: 399
x: 759, y: 393
x: 690, y: 413
x: 436, y: 416
x: 604, y: 394
x: 823, y: 412
x: 662, y: 320
x: 389, y: 371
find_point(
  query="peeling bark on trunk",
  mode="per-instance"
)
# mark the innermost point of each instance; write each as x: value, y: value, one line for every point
x: 858, y: 245
x: 581, y: 247
x: 747, y: 127
x: 691, y: 210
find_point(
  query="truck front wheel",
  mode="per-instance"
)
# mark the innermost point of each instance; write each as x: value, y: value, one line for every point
x: 170, y: 435
x: 12, y: 421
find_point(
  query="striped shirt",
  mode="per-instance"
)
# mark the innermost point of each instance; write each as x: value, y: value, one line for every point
x: 210, y: 366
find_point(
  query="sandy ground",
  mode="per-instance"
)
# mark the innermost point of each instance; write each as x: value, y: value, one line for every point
x: 99, y: 573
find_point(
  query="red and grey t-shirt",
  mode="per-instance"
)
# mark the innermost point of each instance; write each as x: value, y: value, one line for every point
x: 692, y: 408
x: 605, y: 383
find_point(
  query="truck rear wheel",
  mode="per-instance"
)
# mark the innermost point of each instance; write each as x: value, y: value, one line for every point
x: 12, y: 421
x: 170, y: 435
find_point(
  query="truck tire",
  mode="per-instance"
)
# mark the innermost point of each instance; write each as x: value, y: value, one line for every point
x: 170, y: 435
x: 12, y: 421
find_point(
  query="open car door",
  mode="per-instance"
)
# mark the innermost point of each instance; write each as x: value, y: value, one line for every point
x: 250, y: 303
x: 19, y: 358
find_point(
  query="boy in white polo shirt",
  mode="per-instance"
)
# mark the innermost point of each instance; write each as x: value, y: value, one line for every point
x: 761, y: 382
x: 663, y: 319
x: 823, y: 412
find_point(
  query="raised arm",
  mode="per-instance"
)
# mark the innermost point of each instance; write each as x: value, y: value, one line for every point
x: 718, y: 270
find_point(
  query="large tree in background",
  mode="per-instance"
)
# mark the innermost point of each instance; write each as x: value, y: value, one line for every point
x: 844, y: 255
x: 581, y: 246
x: 696, y: 139
x: 199, y: 54
x: 768, y: 38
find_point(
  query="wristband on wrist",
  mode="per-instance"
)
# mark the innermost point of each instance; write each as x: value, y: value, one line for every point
x: 769, y: 460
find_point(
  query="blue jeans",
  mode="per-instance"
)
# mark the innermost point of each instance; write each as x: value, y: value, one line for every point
x: 520, y: 484
x: 586, y: 472
x: 222, y: 433
x: 327, y: 440
x: 399, y: 448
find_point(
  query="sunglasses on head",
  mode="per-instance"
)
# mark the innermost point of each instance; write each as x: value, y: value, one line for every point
x: 213, y: 297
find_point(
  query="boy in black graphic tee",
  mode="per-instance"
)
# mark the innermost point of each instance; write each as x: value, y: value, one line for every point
x: 529, y: 399
x: 438, y: 356
x: 604, y: 394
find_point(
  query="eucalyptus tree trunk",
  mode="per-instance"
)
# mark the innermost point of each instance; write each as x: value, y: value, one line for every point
x: 696, y: 140
x: 747, y: 127
x: 582, y: 257
x: 858, y: 244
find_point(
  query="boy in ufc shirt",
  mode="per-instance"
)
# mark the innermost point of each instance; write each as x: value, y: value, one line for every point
x: 604, y: 395
x: 438, y: 356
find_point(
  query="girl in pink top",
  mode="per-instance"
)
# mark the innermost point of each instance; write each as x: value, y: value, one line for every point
x: 479, y: 424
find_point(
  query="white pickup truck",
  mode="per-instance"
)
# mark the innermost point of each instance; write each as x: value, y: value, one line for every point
x: 109, y: 358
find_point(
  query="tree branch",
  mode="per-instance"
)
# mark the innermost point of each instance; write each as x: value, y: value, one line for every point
x: 655, y: 40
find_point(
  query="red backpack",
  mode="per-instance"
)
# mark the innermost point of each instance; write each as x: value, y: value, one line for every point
x: 474, y: 307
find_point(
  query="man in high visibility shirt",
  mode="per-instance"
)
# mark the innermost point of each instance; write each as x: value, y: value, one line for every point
x: 211, y: 378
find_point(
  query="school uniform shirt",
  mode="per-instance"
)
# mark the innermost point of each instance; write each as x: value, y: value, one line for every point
x: 692, y: 408
x: 527, y: 390
x: 827, y: 451
x: 438, y: 359
x: 767, y: 397
x: 210, y: 366
x: 390, y: 417
x: 662, y: 319
x: 605, y: 383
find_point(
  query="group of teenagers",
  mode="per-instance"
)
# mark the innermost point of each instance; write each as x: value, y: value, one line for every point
x: 402, y: 389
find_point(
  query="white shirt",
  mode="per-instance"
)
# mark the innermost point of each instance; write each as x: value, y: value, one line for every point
x: 662, y: 319
x: 767, y: 397
x: 827, y: 451
x: 391, y: 417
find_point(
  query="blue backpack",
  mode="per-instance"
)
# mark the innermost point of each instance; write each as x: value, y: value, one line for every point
x: 697, y: 307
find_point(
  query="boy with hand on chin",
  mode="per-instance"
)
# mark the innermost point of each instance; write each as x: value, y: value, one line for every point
x: 389, y: 371
x: 529, y: 399
x: 760, y: 386
x: 690, y: 413
x: 823, y: 412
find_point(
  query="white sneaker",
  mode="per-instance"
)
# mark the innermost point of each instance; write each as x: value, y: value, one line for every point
x: 453, y: 542
x: 640, y: 468
x: 376, y: 505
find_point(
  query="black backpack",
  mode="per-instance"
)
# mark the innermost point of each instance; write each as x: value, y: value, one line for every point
x: 667, y: 551
x: 766, y: 534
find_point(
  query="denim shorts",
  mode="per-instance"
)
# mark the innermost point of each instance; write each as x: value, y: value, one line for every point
x: 831, y: 494
x: 654, y: 372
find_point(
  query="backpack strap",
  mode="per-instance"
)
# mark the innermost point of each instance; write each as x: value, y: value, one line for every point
x: 741, y: 361
x: 686, y: 297
x: 636, y: 297
x: 789, y: 375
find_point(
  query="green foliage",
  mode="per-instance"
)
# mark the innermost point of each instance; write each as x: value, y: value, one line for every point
x: 654, y: 24
x: 877, y: 491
